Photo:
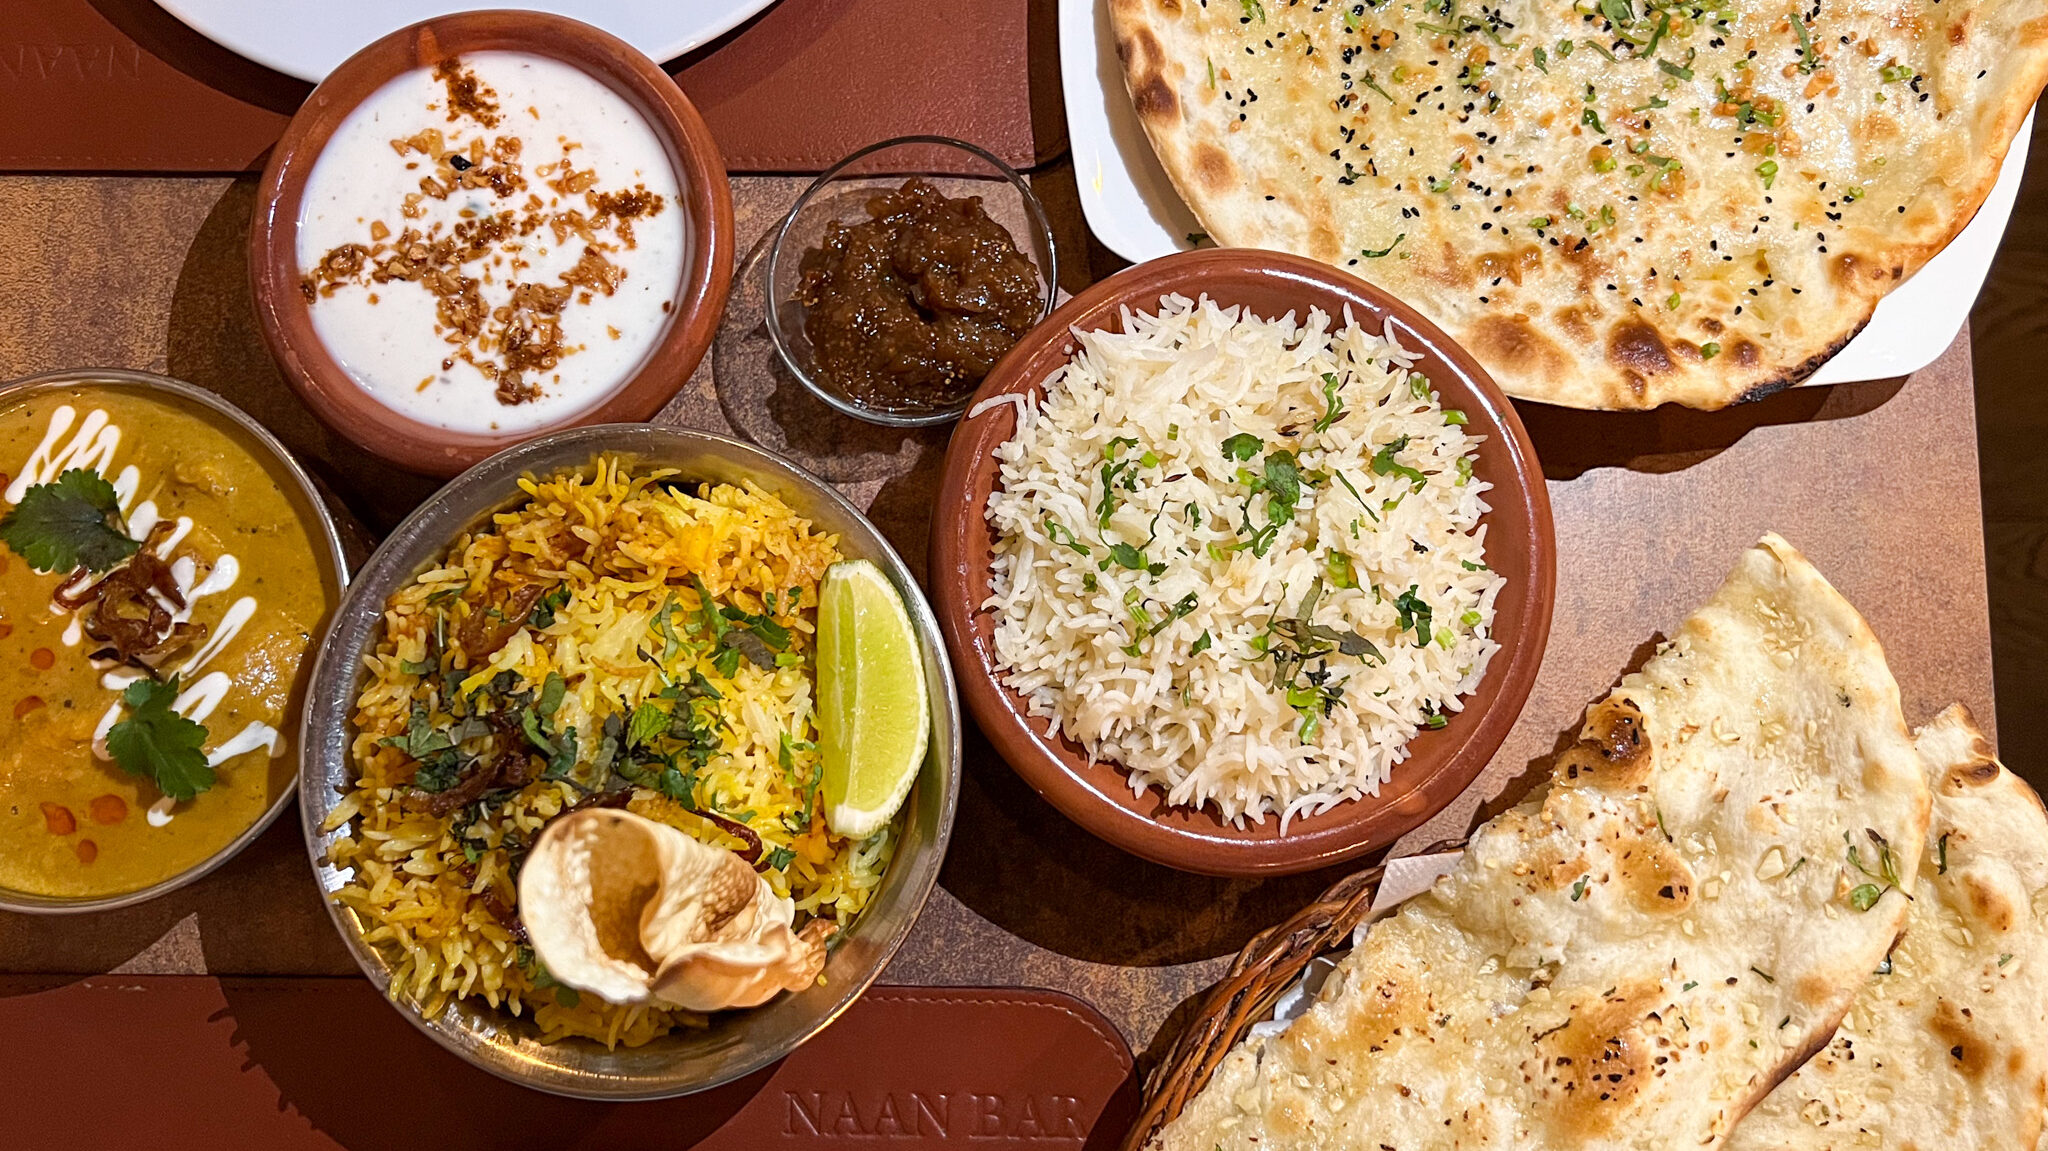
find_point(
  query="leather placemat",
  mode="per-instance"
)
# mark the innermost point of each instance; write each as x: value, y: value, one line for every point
x: 305, y: 1064
x: 120, y: 85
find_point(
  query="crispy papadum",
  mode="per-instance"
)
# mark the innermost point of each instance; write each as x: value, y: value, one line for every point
x: 1638, y: 953
x: 1948, y: 1044
x: 1611, y: 203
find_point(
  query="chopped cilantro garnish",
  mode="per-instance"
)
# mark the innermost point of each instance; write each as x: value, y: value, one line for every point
x: 1333, y: 401
x: 1179, y: 610
x: 1866, y: 895
x: 1808, y: 58
x: 1342, y: 574
x: 1242, y: 446
x: 71, y: 523
x: 1054, y: 530
x: 1414, y: 613
x: 1283, y: 486
x: 1384, y: 464
x: 157, y: 742
x: 1649, y: 47
x: 543, y: 616
x: 648, y: 721
x: 1376, y: 253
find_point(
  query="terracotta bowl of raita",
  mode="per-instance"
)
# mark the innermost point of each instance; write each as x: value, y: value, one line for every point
x: 412, y: 374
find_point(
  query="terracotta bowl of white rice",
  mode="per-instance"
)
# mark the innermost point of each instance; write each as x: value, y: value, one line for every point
x: 1243, y: 564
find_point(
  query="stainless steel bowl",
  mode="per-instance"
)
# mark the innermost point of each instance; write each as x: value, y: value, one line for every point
x: 737, y: 1043
x: 298, y: 488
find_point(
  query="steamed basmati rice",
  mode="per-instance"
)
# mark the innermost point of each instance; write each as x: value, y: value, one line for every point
x: 631, y: 554
x: 1187, y: 488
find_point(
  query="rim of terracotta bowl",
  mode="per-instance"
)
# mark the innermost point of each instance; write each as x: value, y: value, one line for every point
x: 274, y: 271
x: 1442, y: 763
x: 329, y: 551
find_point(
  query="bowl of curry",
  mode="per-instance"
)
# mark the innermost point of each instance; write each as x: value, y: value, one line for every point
x: 164, y: 569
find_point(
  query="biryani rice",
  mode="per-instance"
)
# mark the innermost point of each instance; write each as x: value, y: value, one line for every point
x: 435, y: 894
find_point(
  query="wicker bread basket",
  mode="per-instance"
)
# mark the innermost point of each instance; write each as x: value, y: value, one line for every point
x: 1269, y: 964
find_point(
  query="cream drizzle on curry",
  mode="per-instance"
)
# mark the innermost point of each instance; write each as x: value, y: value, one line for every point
x: 249, y: 588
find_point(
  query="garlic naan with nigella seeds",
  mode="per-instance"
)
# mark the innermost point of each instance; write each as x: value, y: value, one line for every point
x: 1608, y: 966
x: 1948, y: 1044
x: 1611, y: 203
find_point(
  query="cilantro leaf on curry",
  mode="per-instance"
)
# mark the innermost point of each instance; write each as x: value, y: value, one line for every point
x: 71, y: 523
x: 156, y: 742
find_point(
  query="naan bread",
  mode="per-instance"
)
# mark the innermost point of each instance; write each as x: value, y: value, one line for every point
x: 1949, y: 1047
x: 1635, y: 956
x: 1680, y: 209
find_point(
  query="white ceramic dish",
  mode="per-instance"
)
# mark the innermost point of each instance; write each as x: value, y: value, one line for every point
x: 1132, y: 208
x: 307, y: 38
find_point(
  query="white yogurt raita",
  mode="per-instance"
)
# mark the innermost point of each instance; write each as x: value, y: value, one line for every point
x: 494, y: 245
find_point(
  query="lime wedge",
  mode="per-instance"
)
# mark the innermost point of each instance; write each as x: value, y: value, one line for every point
x: 873, y: 717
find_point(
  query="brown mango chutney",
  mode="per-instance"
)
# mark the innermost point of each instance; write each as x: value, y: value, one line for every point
x: 913, y: 305
x: 231, y: 578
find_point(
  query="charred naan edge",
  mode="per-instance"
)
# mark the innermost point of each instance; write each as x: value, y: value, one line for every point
x: 1618, y: 962
x: 1949, y: 1046
x: 1599, y: 233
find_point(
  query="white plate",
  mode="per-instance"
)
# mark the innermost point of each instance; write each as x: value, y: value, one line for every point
x: 307, y: 38
x: 1132, y: 208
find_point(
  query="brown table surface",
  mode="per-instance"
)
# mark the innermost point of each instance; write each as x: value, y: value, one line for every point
x: 1877, y: 482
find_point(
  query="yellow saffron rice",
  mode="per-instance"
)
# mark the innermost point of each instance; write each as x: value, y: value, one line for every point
x: 599, y: 580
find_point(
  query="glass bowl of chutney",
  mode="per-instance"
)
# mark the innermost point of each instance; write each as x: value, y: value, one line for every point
x: 904, y: 273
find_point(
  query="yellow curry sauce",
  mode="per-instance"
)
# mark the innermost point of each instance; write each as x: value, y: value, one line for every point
x: 74, y: 823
